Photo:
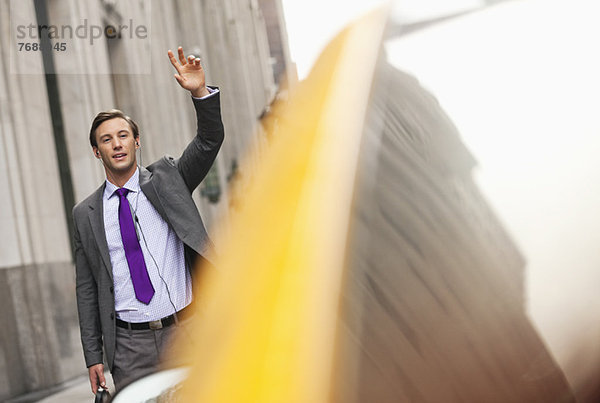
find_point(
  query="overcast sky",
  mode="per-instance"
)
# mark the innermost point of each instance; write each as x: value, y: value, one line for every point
x: 312, y: 23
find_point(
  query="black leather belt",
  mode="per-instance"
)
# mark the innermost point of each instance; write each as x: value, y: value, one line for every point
x: 155, y: 324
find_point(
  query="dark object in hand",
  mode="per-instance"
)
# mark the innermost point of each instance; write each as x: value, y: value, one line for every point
x: 102, y: 396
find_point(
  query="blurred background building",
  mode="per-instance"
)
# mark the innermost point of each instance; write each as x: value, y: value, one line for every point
x: 46, y: 162
x: 434, y: 309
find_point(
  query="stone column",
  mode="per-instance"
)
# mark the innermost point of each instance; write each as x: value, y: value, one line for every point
x: 36, y: 277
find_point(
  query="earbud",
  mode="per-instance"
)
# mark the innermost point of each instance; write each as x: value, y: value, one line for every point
x: 137, y: 144
x: 97, y: 153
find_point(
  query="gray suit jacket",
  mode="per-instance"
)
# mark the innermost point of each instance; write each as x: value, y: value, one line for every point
x: 168, y: 184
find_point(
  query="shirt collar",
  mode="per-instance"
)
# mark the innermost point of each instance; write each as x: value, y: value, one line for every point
x: 133, y: 185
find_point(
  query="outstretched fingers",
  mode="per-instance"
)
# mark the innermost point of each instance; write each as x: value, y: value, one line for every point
x: 173, y: 61
x: 190, y: 74
x: 194, y: 61
x: 181, y: 56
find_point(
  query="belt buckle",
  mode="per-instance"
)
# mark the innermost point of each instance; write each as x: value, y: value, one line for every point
x: 155, y: 324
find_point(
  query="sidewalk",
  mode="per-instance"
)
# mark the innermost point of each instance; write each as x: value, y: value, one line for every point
x: 74, y: 391
x: 78, y: 391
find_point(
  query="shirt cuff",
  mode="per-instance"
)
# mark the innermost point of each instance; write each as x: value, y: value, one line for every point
x: 212, y: 91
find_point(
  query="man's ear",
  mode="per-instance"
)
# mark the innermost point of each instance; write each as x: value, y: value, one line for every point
x: 96, y: 152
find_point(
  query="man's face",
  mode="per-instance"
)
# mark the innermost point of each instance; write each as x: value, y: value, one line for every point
x: 116, y: 147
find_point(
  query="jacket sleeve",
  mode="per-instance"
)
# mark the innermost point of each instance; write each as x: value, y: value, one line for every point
x: 87, y: 305
x: 199, y: 155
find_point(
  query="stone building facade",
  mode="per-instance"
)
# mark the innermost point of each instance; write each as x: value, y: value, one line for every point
x: 433, y: 308
x: 46, y: 163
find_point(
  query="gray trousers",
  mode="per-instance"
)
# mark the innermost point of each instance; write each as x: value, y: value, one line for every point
x: 142, y: 352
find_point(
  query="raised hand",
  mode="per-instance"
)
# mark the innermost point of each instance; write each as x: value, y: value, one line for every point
x: 190, y: 74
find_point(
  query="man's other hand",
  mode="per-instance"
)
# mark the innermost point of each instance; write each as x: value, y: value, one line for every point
x: 190, y: 74
x: 96, y: 373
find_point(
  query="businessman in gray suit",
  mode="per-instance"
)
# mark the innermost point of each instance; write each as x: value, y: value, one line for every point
x: 138, y: 236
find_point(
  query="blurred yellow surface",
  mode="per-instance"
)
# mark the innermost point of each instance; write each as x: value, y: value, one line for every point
x: 268, y: 315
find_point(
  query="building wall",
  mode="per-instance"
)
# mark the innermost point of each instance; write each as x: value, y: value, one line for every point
x: 284, y: 70
x: 433, y: 305
x: 40, y: 345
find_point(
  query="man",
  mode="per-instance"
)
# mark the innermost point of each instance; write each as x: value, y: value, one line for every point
x: 138, y: 235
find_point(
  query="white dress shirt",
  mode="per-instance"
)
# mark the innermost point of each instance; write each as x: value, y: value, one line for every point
x: 163, y: 254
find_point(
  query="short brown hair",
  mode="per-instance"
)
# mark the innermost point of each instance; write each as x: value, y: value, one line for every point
x: 108, y: 115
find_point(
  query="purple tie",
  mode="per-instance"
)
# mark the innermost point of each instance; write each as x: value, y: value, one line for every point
x: 133, y: 252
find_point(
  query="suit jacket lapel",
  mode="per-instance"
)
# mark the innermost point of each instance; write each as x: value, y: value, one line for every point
x: 147, y: 186
x: 157, y: 199
x: 96, y: 216
x: 150, y: 193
